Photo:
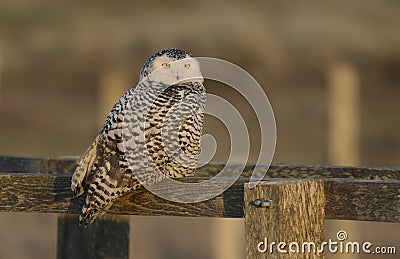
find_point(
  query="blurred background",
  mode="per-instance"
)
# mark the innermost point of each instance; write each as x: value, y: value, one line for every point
x: 331, y: 71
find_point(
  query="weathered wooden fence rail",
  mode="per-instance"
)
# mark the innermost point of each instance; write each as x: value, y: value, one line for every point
x: 302, y: 196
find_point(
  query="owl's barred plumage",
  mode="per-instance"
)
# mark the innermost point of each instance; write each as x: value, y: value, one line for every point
x: 152, y: 132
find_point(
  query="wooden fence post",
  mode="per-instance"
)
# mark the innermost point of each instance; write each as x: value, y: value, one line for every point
x: 102, y: 239
x: 284, y: 211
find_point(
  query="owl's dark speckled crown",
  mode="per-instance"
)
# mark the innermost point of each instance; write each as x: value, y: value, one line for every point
x: 172, y: 53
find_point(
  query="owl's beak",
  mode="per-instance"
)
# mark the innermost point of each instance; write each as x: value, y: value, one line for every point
x: 177, y: 75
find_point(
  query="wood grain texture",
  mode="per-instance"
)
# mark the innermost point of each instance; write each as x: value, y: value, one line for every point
x: 297, y: 215
x: 370, y: 200
x: 43, y: 185
x: 52, y: 194
x: 363, y: 200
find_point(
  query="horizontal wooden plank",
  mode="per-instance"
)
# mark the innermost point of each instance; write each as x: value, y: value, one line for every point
x: 67, y: 165
x: 48, y: 193
x: 362, y: 200
x: 371, y: 200
x: 17, y: 164
x: 14, y: 164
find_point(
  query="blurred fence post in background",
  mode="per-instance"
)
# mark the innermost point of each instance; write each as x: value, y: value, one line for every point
x: 344, y: 114
x: 113, y: 84
x: 228, y: 236
x: 344, y: 123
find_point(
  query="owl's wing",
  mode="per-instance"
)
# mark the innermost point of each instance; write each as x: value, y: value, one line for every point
x: 85, y: 164
x: 102, y: 170
x: 85, y: 169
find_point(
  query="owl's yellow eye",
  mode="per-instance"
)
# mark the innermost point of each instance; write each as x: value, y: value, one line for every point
x: 187, y: 65
x: 165, y: 65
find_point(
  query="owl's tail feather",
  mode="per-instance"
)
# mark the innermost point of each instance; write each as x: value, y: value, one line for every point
x: 84, y: 167
x: 86, y: 219
x: 88, y: 215
x: 96, y: 205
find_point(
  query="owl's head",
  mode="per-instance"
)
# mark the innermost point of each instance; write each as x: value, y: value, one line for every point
x: 171, y: 66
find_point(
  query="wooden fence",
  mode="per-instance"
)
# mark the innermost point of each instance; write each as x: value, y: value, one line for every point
x: 290, y: 204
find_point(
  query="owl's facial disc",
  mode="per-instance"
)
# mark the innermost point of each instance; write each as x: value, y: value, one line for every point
x: 169, y: 71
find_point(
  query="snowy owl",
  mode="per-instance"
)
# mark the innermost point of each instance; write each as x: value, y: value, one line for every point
x: 152, y: 132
